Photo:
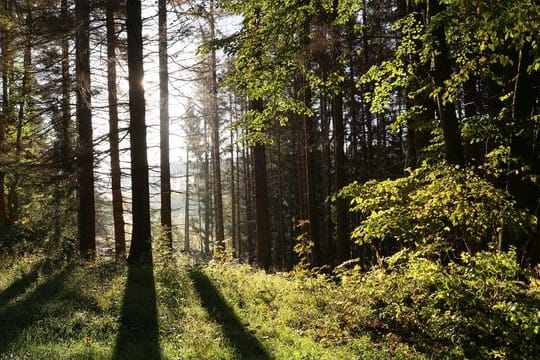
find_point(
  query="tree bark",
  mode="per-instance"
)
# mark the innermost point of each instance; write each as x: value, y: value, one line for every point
x: 5, y: 115
x: 24, y: 98
x: 116, y: 174
x: 207, y: 192
x: 85, y: 173
x: 216, y: 162
x: 233, y: 194
x: 65, y: 129
x: 262, y: 215
x: 141, y: 241
x: 166, y: 218
x: 187, y: 246
x: 441, y: 72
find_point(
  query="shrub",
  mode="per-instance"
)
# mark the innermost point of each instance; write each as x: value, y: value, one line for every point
x: 476, y: 308
x: 440, y: 208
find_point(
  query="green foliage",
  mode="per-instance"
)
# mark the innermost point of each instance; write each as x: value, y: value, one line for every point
x: 477, y: 308
x: 439, y: 208
x: 482, y: 37
x: 303, y: 247
x: 271, y: 58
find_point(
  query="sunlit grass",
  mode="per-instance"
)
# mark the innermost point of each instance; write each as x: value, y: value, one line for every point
x: 53, y: 310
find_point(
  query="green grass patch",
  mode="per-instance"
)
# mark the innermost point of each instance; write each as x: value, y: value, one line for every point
x: 414, y: 309
x: 55, y: 310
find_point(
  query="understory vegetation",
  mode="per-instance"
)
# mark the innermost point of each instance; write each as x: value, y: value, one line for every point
x: 413, y: 307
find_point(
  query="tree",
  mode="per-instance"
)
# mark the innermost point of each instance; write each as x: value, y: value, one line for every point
x: 214, y: 124
x: 141, y: 241
x: 262, y: 216
x: 441, y: 73
x: 5, y: 117
x: 166, y: 221
x: 65, y: 133
x: 85, y: 172
x: 116, y: 172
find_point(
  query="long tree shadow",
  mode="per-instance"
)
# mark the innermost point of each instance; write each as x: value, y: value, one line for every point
x: 138, y: 336
x: 16, y: 317
x: 20, y: 285
x: 245, y: 344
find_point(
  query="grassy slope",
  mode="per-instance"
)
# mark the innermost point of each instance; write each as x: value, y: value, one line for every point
x: 49, y: 310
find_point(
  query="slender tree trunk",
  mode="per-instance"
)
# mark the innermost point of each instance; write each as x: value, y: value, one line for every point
x: 525, y: 144
x: 280, y: 241
x: 5, y: 115
x: 141, y: 241
x: 233, y: 197
x: 66, y: 145
x: 442, y: 72
x: 340, y: 180
x: 166, y: 218
x: 311, y: 198
x: 326, y: 186
x: 200, y: 202
x: 85, y: 173
x: 116, y: 173
x: 342, y: 234
x: 262, y: 215
x: 187, y: 247
x: 238, y: 194
x: 13, y: 200
x: 417, y: 138
x: 207, y: 195
x: 218, y: 198
x: 248, y: 192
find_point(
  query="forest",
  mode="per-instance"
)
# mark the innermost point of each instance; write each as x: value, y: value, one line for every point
x: 270, y: 179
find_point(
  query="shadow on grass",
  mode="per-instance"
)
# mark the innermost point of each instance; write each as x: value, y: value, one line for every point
x: 246, y: 345
x: 17, y: 317
x: 138, y: 336
x: 19, y: 286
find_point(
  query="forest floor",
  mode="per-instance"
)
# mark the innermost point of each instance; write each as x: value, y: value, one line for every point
x: 53, y: 310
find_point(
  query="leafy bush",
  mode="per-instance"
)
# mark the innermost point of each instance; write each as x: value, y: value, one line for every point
x: 440, y: 208
x: 475, y: 309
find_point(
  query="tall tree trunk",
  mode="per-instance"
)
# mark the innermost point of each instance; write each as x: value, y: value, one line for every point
x: 141, y: 241
x: 310, y: 178
x: 441, y: 72
x: 116, y: 173
x: 525, y: 143
x: 166, y: 221
x: 207, y: 193
x: 238, y: 194
x: 327, y: 235
x: 218, y: 198
x: 233, y: 195
x: 248, y: 195
x: 187, y: 246
x: 280, y: 240
x: 417, y: 138
x: 262, y: 215
x: 85, y: 173
x: 13, y: 200
x: 340, y: 180
x: 6, y: 113
x: 65, y: 133
x: 342, y: 234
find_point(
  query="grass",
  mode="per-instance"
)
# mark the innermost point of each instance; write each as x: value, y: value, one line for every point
x: 54, y: 310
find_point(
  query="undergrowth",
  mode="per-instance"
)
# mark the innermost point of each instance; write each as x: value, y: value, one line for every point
x: 480, y: 307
